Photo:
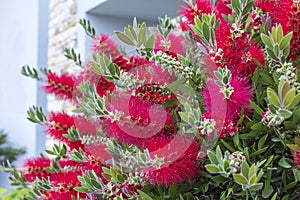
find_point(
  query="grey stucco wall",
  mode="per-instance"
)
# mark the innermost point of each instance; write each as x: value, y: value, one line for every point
x: 23, y: 40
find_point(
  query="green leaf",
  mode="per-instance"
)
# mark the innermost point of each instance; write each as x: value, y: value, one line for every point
x: 212, y: 157
x: 274, y: 35
x: 284, y: 89
x: 219, y: 154
x: 245, y: 169
x: 286, y: 51
x: 259, y: 176
x: 256, y: 108
x: 96, y: 184
x: 211, y: 168
x: 81, y: 189
x: 240, y: 121
x: 275, y: 196
x: 267, y: 191
x: 219, y: 179
x: 218, y: 75
x: 293, y: 102
x: 285, y: 113
x: 150, y: 42
x: 262, y: 141
x: 236, y: 139
x: 286, y: 40
x: 206, y: 31
x: 290, y: 185
x: 142, y: 34
x: 258, y: 152
x: 256, y: 186
x: 266, y: 40
x: 144, y: 195
x: 279, y: 33
x: 294, y: 147
x: 272, y: 54
x: 283, y: 163
x: 124, y: 38
x: 170, y: 103
x: 273, y: 98
x: 228, y: 146
x: 248, y: 7
x: 240, y: 179
x: 289, y: 97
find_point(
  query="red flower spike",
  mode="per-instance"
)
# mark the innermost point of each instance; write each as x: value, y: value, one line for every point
x: 64, y: 183
x: 62, y: 86
x: 239, y: 99
x: 36, y: 168
x: 294, y: 25
x: 147, y: 122
x: 178, y: 167
x: 176, y: 44
x: 237, y: 54
x: 297, y: 160
x: 59, y: 123
x: 105, y: 45
x: 190, y: 11
x: 222, y: 8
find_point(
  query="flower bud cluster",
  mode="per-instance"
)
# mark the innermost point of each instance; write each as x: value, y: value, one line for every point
x: 235, y: 160
x: 236, y: 31
x: 172, y: 65
x: 217, y: 56
x: 270, y: 119
x: 207, y: 126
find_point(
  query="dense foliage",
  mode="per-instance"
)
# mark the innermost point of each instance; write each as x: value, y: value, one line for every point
x: 205, y: 107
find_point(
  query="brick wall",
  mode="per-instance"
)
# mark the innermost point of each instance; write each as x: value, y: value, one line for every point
x: 62, y: 33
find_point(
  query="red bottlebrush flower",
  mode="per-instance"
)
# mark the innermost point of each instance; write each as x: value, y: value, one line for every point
x: 265, y: 5
x: 62, y: 86
x: 280, y: 17
x: 294, y: 25
x: 297, y: 160
x: 176, y: 44
x: 36, y: 168
x: 61, y: 195
x: 222, y: 8
x: 59, y: 123
x: 255, y: 53
x: 105, y: 45
x: 64, y: 183
x: 190, y: 11
x: 93, y: 163
x: 237, y: 54
x: 141, y: 123
x: 180, y: 163
x: 239, y: 99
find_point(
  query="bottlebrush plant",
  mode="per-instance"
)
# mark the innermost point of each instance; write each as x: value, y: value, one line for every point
x: 205, y: 108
